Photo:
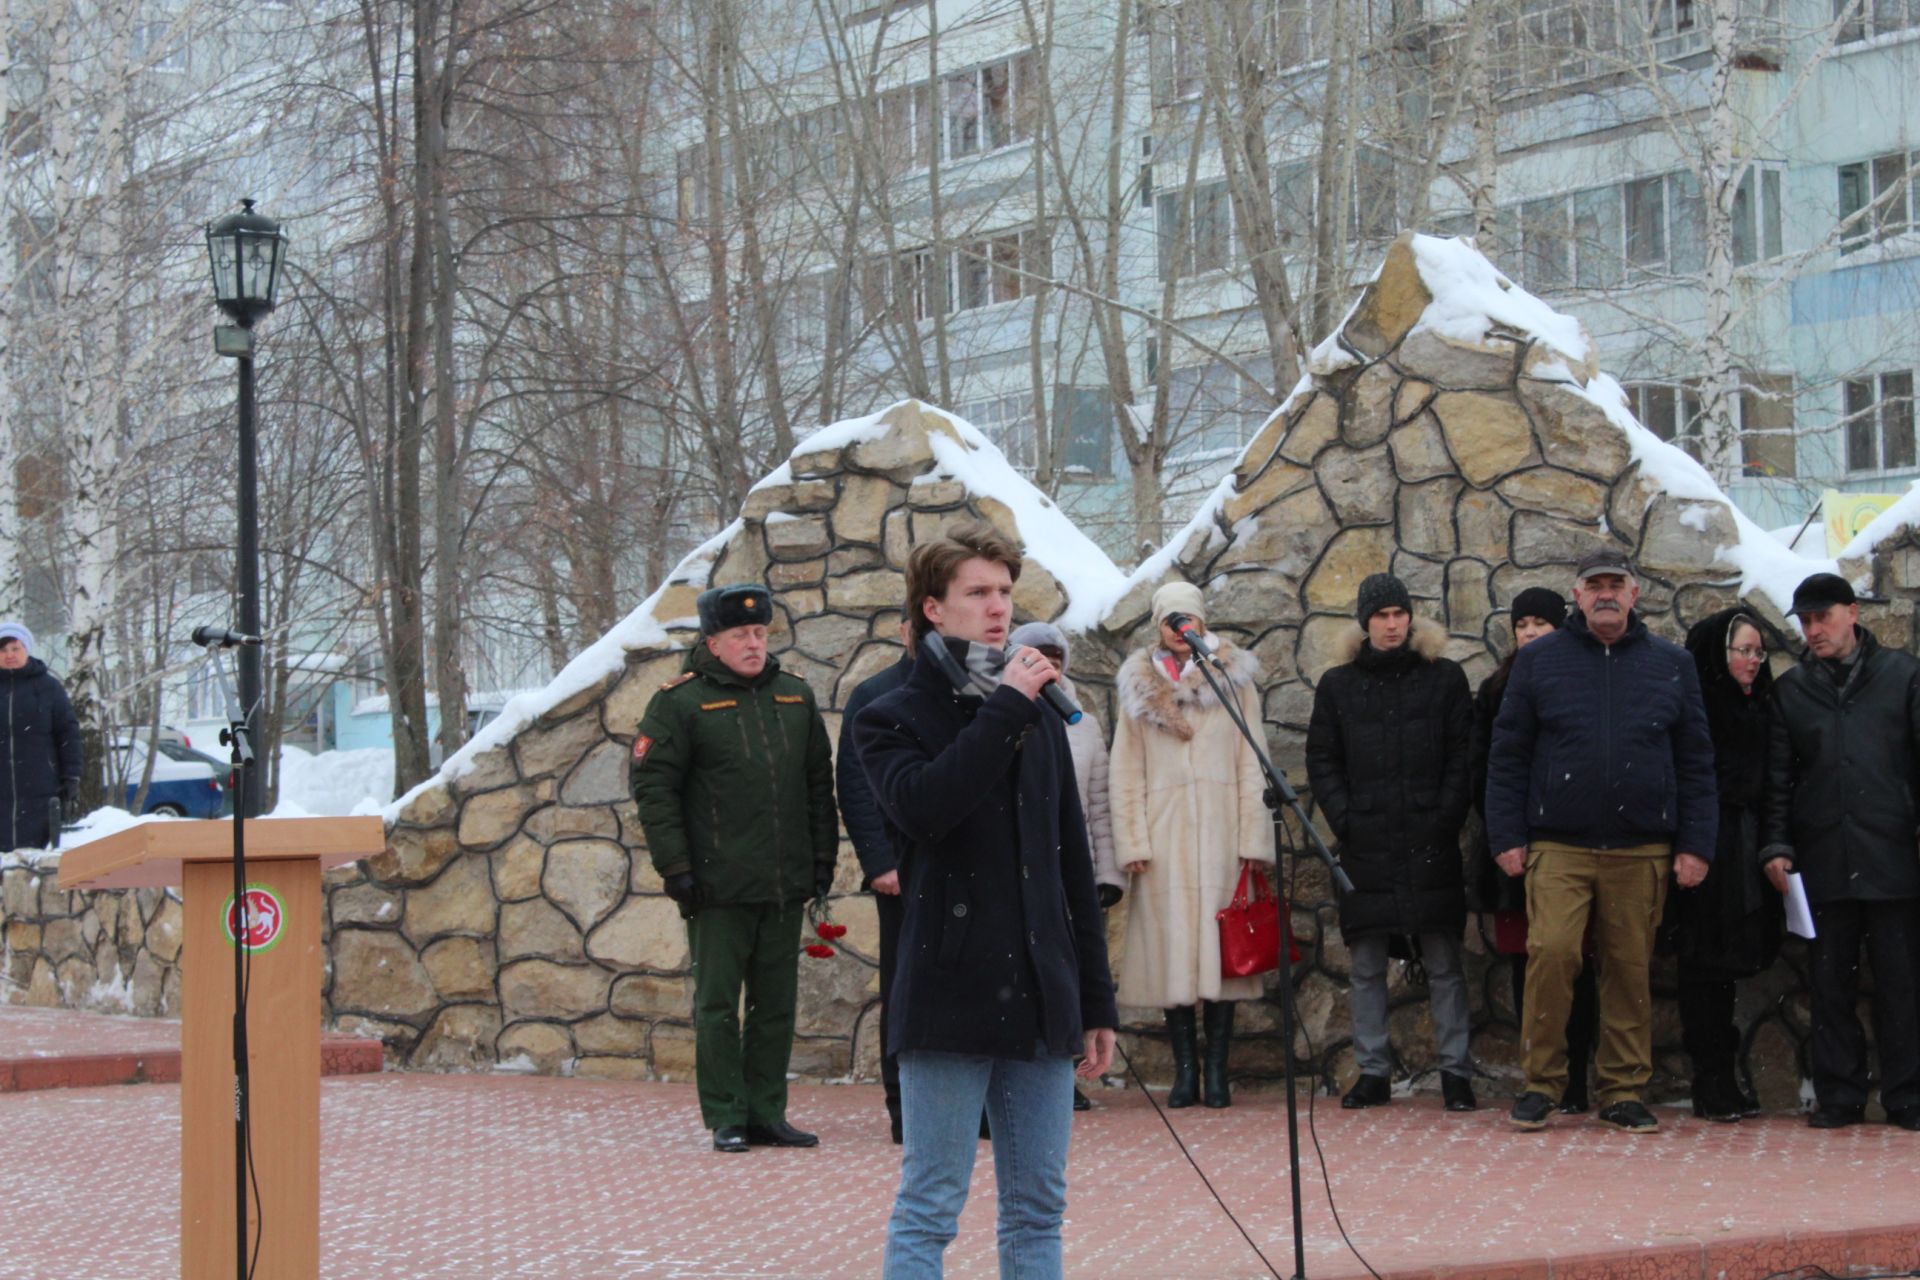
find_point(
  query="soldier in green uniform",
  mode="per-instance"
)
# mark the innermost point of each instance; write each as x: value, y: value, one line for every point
x: 733, y: 777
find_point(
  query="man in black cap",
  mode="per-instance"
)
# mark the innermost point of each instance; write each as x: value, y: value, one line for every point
x: 733, y: 777
x: 1840, y: 810
x: 1599, y: 776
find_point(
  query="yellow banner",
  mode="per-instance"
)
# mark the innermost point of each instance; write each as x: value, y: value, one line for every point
x: 1848, y: 513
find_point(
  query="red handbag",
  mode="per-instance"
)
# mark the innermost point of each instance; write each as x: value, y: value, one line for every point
x: 1250, y: 928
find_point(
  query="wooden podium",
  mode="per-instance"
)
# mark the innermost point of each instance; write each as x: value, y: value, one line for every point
x: 284, y: 859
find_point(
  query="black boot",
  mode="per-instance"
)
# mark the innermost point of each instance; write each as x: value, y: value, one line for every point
x: 1714, y: 1097
x: 1219, y: 1022
x: 1186, y: 1057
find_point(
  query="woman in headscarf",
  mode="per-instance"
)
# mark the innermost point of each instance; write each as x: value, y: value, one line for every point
x: 1729, y: 926
x: 1535, y: 612
x: 1187, y: 815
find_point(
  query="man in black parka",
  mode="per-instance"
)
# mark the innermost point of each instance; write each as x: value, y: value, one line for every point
x: 41, y: 746
x: 879, y: 861
x: 1840, y: 809
x: 1388, y: 757
x: 1002, y: 974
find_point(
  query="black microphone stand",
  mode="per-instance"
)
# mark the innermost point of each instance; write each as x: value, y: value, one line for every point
x: 1280, y: 798
x: 237, y: 736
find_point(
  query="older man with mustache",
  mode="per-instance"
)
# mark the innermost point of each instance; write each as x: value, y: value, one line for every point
x: 1600, y: 774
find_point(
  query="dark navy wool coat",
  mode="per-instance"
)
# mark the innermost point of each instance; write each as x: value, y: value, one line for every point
x: 1002, y: 948
x: 1602, y: 746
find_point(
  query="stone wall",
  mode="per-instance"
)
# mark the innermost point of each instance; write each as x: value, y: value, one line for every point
x: 515, y: 917
x: 115, y: 951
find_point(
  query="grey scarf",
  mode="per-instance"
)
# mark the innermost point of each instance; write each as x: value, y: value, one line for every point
x: 986, y: 665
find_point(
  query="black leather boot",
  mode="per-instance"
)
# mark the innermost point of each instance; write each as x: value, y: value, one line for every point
x: 1218, y: 1018
x: 1186, y: 1057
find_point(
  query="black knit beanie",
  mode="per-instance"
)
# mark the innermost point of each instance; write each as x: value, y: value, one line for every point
x: 1381, y: 591
x: 1543, y: 603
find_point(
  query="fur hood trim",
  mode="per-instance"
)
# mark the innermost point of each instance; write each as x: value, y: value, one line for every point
x: 1427, y: 639
x: 1147, y: 697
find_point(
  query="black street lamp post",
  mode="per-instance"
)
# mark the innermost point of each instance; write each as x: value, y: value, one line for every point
x: 246, y: 248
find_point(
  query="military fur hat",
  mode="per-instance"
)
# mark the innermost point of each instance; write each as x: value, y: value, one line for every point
x: 744, y: 604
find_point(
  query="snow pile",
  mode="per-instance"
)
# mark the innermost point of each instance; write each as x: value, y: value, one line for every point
x: 334, y: 784
x: 1092, y: 582
x: 1883, y: 526
x: 1470, y: 297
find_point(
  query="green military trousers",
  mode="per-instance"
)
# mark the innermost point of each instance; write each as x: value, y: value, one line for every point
x: 741, y: 1069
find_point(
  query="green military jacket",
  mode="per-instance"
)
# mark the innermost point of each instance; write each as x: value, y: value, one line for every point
x: 733, y: 778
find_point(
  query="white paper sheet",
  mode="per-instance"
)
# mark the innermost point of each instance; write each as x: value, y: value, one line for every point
x: 1799, y: 914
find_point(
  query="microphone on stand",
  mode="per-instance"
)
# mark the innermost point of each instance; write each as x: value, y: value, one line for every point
x: 1184, y: 626
x: 1055, y: 696
x: 220, y: 638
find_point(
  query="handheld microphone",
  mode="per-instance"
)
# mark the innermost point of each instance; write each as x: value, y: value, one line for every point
x: 220, y: 638
x: 1183, y: 626
x: 1056, y: 697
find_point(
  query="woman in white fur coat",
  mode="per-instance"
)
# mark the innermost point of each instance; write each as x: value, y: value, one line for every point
x: 1187, y: 812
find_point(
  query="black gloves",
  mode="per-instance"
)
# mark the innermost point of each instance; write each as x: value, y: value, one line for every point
x: 1108, y: 894
x: 70, y: 797
x: 681, y: 887
x: 822, y: 881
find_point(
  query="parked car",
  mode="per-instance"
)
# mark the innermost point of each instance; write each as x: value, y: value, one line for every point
x: 186, y: 783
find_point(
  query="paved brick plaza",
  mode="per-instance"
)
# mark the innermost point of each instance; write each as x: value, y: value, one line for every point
x: 477, y: 1176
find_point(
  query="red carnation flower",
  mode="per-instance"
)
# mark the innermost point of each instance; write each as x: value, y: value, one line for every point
x: 820, y: 951
x: 830, y: 931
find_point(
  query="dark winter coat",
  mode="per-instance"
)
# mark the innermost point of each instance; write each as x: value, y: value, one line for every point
x: 1388, y: 760
x: 40, y: 749
x: 733, y: 777
x: 1840, y: 775
x: 1730, y: 925
x: 1002, y: 947
x: 1490, y: 888
x: 866, y: 825
x: 1602, y: 746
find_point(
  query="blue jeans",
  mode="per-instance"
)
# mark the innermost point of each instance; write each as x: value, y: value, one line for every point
x: 1029, y: 1107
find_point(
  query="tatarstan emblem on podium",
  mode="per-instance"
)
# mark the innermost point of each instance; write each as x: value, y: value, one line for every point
x: 265, y: 916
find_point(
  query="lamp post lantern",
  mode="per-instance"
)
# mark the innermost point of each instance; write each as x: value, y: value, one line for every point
x: 245, y: 249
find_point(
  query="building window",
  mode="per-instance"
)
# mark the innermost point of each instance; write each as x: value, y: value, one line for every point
x: 1546, y: 244
x: 1879, y: 422
x: 1008, y: 422
x: 989, y: 107
x: 1376, y: 195
x: 1766, y: 426
x: 910, y: 279
x: 1195, y: 229
x: 1658, y: 225
x: 906, y: 128
x: 1671, y: 410
x: 1214, y: 410
x: 1177, y: 54
x: 1877, y: 200
x: 1084, y: 420
x: 1000, y: 268
x: 1874, y: 18
x: 814, y: 304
